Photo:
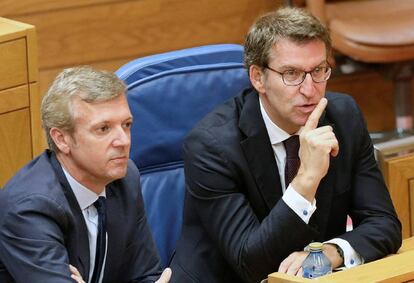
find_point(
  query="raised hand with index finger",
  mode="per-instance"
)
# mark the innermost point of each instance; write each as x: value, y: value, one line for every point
x: 316, y: 147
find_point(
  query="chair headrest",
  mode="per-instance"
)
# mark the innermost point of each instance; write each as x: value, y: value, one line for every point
x: 169, y: 93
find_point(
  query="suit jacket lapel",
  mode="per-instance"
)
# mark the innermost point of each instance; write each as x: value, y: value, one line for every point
x: 258, y: 150
x: 77, y: 242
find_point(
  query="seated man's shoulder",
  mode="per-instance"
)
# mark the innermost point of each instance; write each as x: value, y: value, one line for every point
x: 219, y: 127
x: 36, y: 184
x: 225, y: 117
x: 35, y: 176
x: 339, y: 99
x: 340, y: 104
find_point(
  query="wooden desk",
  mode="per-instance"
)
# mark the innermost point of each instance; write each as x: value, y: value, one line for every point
x: 399, y: 176
x: 396, y: 160
x: 394, y: 268
x: 20, y: 127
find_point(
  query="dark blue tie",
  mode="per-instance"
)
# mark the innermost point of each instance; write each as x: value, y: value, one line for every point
x: 100, y: 205
x: 292, y: 158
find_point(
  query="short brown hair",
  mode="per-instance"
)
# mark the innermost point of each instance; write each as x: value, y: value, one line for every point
x: 294, y: 24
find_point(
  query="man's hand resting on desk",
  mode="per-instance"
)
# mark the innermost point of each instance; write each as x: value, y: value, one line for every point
x: 316, y: 147
x: 292, y: 265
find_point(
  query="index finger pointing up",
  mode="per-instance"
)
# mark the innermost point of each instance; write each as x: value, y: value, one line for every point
x: 313, y: 119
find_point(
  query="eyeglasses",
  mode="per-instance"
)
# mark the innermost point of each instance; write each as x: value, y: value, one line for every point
x: 296, y: 77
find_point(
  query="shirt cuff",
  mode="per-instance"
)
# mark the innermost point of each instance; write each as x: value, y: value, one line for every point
x: 301, y: 206
x: 351, y: 257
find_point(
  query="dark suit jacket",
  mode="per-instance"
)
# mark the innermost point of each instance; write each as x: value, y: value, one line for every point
x: 42, y: 228
x: 236, y: 226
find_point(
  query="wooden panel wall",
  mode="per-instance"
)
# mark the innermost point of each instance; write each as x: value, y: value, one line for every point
x: 109, y: 33
x: 374, y: 95
x: 20, y: 131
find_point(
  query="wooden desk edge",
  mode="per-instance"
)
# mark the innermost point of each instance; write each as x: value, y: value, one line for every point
x: 399, y: 269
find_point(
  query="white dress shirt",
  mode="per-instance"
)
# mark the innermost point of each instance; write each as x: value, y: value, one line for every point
x: 86, y: 199
x: 301, y: 206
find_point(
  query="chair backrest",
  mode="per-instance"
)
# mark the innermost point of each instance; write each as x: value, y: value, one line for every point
x: 168, y: 94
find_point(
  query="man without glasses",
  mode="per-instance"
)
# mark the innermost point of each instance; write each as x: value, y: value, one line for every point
x: 80, y: 202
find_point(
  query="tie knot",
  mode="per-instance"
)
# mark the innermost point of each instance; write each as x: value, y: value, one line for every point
x: 292, y: 146
x: 100, y: 204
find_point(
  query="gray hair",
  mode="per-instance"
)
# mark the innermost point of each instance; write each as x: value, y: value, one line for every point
x: 89, y: 84
x: 293, y: 24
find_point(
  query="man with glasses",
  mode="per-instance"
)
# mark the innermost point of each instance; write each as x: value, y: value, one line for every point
x: 282, y: 165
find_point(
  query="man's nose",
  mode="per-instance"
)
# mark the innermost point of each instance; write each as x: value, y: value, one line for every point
x: 122, y: 138
x: 307, y: 87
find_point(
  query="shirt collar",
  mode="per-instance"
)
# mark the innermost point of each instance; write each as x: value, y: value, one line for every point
x: 84, y: 196
x: 276, y: 134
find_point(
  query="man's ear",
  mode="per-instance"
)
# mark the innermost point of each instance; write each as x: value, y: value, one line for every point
x: 61, y: 139
x: 256, y: 76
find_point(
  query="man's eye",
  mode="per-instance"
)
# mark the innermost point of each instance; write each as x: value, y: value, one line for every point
x: 128, y: 125
x: 318, y: 70
x: 292, y: 73
x: 103, y: 129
